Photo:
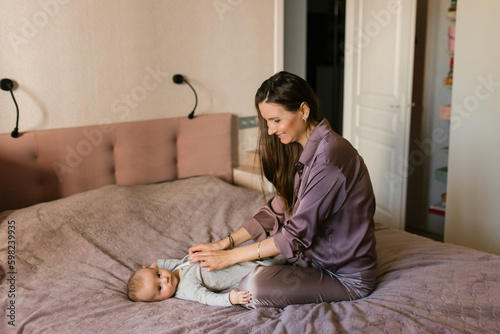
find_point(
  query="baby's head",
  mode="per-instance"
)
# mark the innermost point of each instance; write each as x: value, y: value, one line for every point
x: 152, y: 285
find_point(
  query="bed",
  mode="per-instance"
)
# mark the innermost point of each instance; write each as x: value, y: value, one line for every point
x: 76, y: 247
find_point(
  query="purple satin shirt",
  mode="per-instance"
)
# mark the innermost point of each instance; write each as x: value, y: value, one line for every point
x: 332, y: 220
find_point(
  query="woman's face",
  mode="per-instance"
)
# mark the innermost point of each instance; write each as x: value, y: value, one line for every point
x: 288, y: 126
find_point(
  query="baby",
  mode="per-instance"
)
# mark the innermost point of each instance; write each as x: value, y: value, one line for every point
x: 172, y: 277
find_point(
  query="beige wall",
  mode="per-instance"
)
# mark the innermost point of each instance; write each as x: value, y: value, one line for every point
x: 473, y: 194
x: 82, y: 62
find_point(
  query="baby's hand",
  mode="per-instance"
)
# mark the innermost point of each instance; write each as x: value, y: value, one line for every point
x: 153, y: 265
x: 237, y: 297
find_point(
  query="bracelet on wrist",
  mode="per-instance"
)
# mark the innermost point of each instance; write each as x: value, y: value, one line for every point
x: 231, y: 242
x: 258, y: 251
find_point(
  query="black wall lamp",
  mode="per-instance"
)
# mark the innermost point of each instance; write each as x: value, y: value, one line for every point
x: 178, y: 79
x: 7, y: 85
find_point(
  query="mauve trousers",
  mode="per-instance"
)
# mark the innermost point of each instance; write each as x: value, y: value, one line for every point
x: 279, y: 286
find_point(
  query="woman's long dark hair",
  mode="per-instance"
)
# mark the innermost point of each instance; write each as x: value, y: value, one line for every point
x: 277, y: 159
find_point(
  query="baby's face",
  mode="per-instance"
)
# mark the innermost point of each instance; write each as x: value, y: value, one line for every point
x: 159, y: 284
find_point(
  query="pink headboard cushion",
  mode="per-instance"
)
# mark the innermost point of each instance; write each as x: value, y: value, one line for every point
x: 45, y: 165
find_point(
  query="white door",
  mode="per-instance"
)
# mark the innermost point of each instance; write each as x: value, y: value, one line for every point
x: 380, y: 38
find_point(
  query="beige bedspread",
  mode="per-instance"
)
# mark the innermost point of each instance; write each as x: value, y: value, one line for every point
x: 73, y: 257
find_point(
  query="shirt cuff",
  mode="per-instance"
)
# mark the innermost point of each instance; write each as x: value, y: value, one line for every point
x: 228, y: 300
x: 283, y: 245
x: 255, y: 229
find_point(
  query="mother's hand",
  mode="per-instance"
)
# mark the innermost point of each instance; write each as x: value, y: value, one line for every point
x: 212, y: 260
x: 207, y: 247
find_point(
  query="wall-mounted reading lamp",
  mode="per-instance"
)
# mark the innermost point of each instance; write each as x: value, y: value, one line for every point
x: 7, y: 85
x: 178, y: 79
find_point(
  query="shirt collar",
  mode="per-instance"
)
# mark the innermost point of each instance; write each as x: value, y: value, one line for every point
x: 320, y: 131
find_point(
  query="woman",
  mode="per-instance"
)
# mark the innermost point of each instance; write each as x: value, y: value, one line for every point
x: 322, y: 215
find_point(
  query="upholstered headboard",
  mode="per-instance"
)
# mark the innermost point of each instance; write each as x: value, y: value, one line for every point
x: 40, y: 166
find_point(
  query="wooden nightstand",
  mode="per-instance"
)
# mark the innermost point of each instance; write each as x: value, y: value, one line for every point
x: 248, y: 176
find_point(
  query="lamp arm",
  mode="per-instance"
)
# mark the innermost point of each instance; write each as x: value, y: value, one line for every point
x: 191, y: 115
x: 17, y: 113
